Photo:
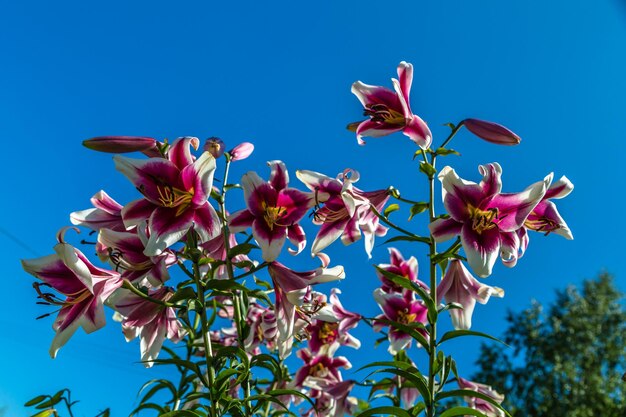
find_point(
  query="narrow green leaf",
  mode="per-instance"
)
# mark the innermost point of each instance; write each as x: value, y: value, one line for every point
x: 417, y: 208
x: 46, y: 413
x: 385, y: 410
x: 459, y: 333
x: 241, y: 249
x: 396, y: 364
x: 390, y: 209
x: 444, y: 152
x: 409, y: 285
x: 408, y: 239
x: 461, y: 411
x: 35, y: 400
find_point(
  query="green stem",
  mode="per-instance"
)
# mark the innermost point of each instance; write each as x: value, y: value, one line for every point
x: 432, y: 348
x: 208, y: 348
x: 240, y: 314
x: 394, y: 226
x: 253, y: 270
x: 449, y: 138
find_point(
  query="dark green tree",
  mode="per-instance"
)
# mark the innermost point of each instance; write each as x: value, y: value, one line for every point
x: 567, y: 360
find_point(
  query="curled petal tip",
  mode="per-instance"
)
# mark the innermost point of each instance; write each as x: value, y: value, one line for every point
x: 492, y: 132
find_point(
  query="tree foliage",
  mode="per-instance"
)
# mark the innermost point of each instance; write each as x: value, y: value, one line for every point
x: 565, y: 360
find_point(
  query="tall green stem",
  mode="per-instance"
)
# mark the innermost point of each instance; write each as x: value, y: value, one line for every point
x: 240, y: 314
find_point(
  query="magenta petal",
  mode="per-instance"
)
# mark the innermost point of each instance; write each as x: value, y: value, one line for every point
x: 510, y: 248
x: 371, y: 94
x: 513, y: 209
x: 167, y: 228
x: 351, y: 233
x: 102, y: 201
x: 206, y: 221
x: 376, y: 129
x: 240, y: 221
x: 150, y: 176
x: 405, y: 78
x: 180, y: 152
x: 198, y: 178
x: 136, y: 212
x: 445, y: 229
x: 261, y: 196
x: 418, y: 131
x: 481, y: 249
x: 271, y: 241
x: 279, y: 177
x: 328, y: 233
x: 295, y: 202
x: 559, y: 189
x: 296, y: 236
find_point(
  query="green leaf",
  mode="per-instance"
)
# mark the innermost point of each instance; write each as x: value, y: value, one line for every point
x: 241, y: 249
x: 35, y: 400
x: 408, y: 239
x: 181, y: 413
x: 418, y: 208
x: 459, y: 333
x: 461, y: 411
x: 444, y: 152
x: 46, y: 413
x: 390, y: 209
x: 185, y: 293
x: 427, y: 169
x: 396, y: 364
x: 387, y: 410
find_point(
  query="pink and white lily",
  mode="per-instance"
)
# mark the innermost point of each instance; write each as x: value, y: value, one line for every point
x: 401, y: 267
x: 343, y: 210
x: 83, y: 287
x: 459, y: 286
x: 290, y: 289
x: 390, y: 111
x: 273, y: 212
x: 321, y: 370
x: 485, y: 218
x: 479, y: 404
x: 125, y: 251
x: 151, y: 322
x: 326, y: 334
x: 176, y: 191
x: 399, y: 309
x: 545, y: 217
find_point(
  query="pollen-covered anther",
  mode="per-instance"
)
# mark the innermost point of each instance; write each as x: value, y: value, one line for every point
x: 328, y: 332
x: 483, y: 219
x: 383, y: 114
x: 405, y: 317
x: 272, y: 215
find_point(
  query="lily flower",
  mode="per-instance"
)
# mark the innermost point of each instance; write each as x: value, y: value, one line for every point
x: 545, y: 217
x: 324, y: 334
x: 479, y: 404
x: 343, y: 210
x: 320, y: 370
x: 151, y: 322
x: 176, y: 192
x: 83, y: 287
x: 125, y: 250
x: 390, y: 111
x: 485, y: 218
x: 459, y: 286
x: 405, y: 311
x: 290, y: 289
x: 401, y: 267
x: 107, y: 213
x: 273, y: 211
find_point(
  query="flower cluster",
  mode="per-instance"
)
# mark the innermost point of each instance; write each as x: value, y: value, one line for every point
x: 184, y: 268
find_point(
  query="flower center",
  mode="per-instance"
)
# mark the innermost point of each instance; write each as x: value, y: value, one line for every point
x: 328, y: 333
x: 318, y: 370
x: 405, y: 317
x: 483, y: 219
x: 173, y: 197
x: 383, y: 114
x: 273, y: 215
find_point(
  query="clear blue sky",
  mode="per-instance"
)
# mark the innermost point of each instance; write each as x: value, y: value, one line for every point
x: 278, y: 74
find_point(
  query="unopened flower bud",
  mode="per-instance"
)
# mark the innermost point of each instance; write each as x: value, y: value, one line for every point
x: 492, y: 132
x: 214, y: 146
x: 241, y: 151
x: 120, y: 144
